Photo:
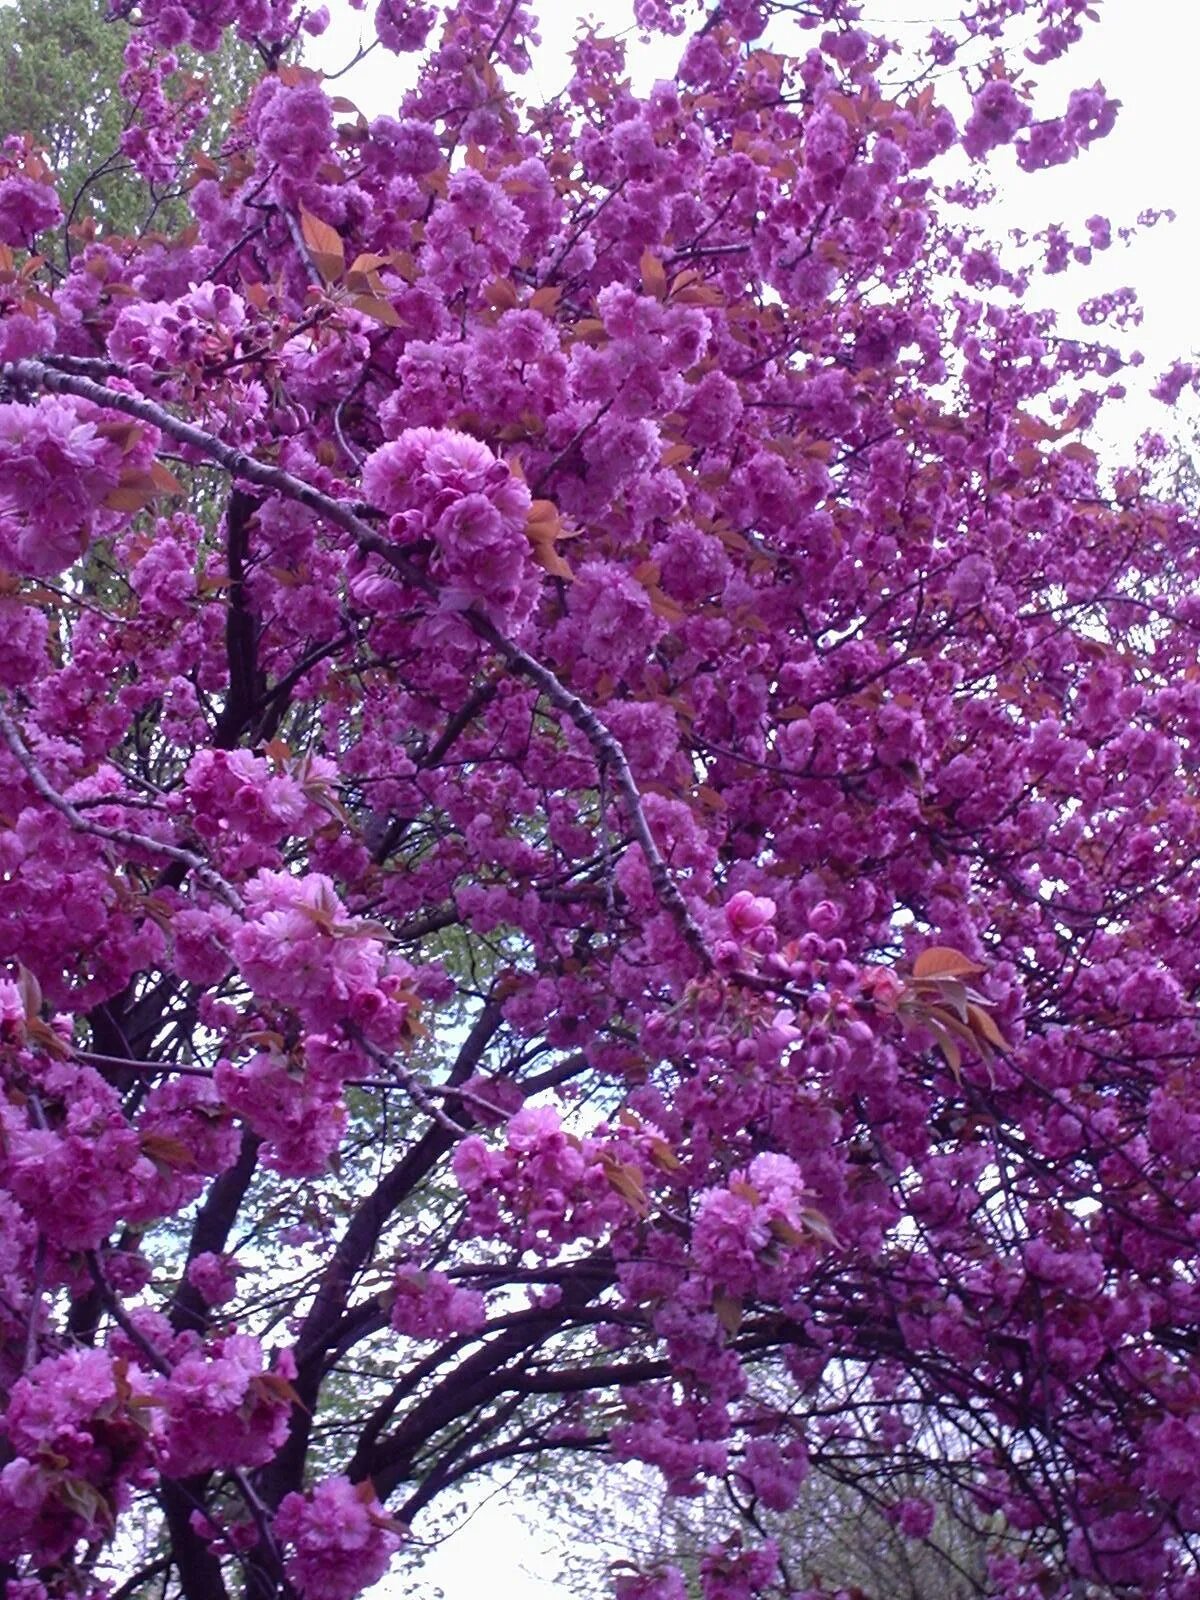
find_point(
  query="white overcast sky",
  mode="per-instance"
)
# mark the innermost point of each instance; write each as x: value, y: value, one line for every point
x: 1144, y: 52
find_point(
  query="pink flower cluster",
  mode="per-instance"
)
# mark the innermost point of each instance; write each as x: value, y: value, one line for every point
x: 685, y: 1439
x: 58, y: 463
x: 748, y: 918
x: 429, y: 1305
x: 163, y: 573
x: 610, y: 623
x: 152, y: 336
x: 300, y: 948
x: 189, y: 1136
x: 663, y: 1583
x: 403, y: 25
x: 451, y: 490
x: 1090, y: 115
x: 997, y: 115
x: 27, y: 208
x: 649, y: 348
x: 729, y: 1572
x: 236, y: 797
x: 477, y: 234
x: 76, y: 1176
x: 201, y: 23
x: 734, y: 1226
x: 339, y: 1540
x: 162, y: 124
x: 295, y: 126
x: 553, y: 1185
x: 214, y: 1276
x: 773, y: 1472
x: 220, y: 1407
x: 75, y: 1444
x: 298, y: 1111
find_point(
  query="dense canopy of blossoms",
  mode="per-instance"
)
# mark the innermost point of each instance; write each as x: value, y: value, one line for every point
x: 597, y: 798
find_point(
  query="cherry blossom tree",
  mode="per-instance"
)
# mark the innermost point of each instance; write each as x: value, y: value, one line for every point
x: 597, y: 799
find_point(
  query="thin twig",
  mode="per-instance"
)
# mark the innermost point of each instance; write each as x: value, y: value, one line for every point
x: 35, y: 1303
x: 416, y: 1091
x: 611, y: 757
x: 142, y: 1068
x: 159, y: 1362
x: 310, y: 269
x: 122, y: 1318
x: 124, y: 836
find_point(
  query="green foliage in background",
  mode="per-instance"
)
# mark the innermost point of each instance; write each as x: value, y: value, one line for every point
x: 61, y: 66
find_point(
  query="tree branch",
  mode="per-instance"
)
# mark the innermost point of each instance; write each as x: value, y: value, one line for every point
x: 123, y: 836
x: 605, y: 745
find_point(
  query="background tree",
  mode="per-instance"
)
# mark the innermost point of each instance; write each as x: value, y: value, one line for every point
x: 900, y: 1528
x: 63, y: 61
x: 634, y: 890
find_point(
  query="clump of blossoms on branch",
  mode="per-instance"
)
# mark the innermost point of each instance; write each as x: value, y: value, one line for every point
x: 448, y: 489
x: 598, y: 824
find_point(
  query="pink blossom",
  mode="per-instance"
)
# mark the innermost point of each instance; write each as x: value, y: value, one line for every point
x: 453, y: 490
x: 774, y: 1474
x: 299, y: 947
x: 664, y: 1583
x: 1174, y: 381
x: 428, y: 1305
x: 474, y: 1164
x: 22, y: 335
x: 57, y: 1396
x: 730, y: 1573
x: 339, y: 1541
x: 915, y: 1518
x: 77, y: 1179
x: 997, y: 113
x: 746, y: 913
x: 402, y: 25
x: 75, y: 1445
x: 301, y: 1120
x: 220, y: 1409
x: 728, y: 1233
x: 55, y: 470
x: 214, y: 1276
x: 295, y: 128
x: 611, y: 621
x: 240, y: 795
x: 27, y: 208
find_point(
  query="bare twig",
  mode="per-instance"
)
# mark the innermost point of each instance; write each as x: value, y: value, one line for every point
x: 611, y: 758
x: 122, y: 1318
x: 415, y: 1090
x: 159, y: 1362
x: 310, y: 270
